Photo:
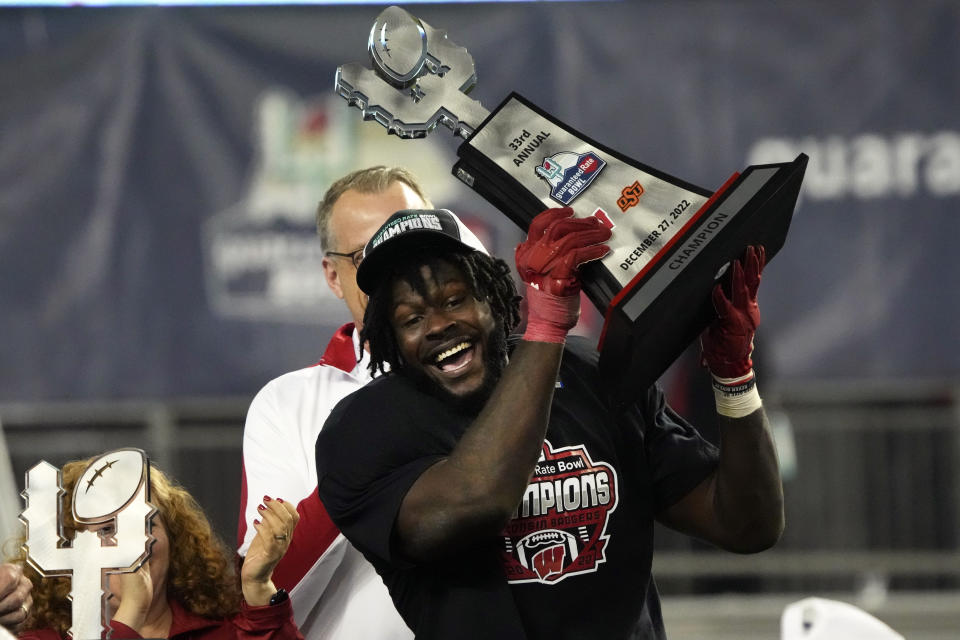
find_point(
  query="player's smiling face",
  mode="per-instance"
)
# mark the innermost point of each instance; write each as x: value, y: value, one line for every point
x: 445, y: 334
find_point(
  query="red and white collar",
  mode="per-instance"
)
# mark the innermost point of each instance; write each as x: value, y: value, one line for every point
x: 342, y: 349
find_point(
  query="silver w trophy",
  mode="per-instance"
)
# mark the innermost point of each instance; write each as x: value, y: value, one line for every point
x: 671, y: 240
x: 111, y: 516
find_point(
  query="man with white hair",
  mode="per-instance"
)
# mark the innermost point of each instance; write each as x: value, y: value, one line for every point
x: 336, y: 594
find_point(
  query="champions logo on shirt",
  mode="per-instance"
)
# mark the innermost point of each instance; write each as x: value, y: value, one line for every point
x: 569, y: 174
x: 559, y: 529
x: 407, y: 223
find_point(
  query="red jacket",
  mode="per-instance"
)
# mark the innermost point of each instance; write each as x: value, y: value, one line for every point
x: 272, y: 622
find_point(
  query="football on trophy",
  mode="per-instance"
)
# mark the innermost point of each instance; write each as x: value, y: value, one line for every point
x: 108, y: 484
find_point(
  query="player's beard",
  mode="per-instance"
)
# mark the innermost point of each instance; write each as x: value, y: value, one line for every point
x: 495, y: 360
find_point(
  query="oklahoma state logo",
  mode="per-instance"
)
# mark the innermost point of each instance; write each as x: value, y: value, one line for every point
x: 559, y: 529
x: 630, y: 196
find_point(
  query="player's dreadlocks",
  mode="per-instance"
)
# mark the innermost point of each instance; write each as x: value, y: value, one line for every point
x: 489, y: 279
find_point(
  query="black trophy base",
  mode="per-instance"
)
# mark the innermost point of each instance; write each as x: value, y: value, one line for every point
x: 650, y: 322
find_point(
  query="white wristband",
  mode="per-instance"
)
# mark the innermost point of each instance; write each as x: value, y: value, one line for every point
x: 736, y: 397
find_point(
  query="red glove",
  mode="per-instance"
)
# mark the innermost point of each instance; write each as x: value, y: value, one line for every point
x: 556, y: 245
x: 728, y: 342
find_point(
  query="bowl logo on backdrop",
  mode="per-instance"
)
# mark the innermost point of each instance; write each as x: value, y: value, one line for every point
x: 262, y: 254
x: 559, y: 529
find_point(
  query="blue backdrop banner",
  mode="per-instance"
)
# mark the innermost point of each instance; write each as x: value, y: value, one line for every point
x: 159, y: 171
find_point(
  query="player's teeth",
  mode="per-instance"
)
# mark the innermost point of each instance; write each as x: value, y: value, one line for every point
x: 452, y: 350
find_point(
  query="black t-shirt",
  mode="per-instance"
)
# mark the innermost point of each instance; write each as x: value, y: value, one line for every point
x: 575, y: 560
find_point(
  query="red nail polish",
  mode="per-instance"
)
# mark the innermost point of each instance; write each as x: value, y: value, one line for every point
x: 266, y: 498
x: 261, y: 507
x: 279, y: 499
x: 256, y: 522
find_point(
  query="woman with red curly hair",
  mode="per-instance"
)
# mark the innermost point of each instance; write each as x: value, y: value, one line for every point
x: 188, y: 589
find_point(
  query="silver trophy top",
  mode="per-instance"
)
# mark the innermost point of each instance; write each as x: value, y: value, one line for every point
x: 419, y: 79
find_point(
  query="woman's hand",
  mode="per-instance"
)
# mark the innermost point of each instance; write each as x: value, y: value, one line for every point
x: 274, y: 532
x: 15, y: 598
x: 135, y: 595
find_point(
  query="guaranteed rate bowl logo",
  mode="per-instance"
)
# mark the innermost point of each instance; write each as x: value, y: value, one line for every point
x: 569, y: 174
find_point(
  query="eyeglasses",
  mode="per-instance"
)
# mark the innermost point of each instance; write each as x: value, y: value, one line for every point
x: 356, y: 257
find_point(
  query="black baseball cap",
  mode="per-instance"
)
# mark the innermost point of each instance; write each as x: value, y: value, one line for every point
x: 410, y: 230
